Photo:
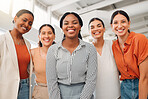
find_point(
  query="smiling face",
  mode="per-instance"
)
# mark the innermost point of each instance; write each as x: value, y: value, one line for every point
x: 23, y: 23
x: 96, y: 28
x: 120, y: 25
x: 71, y: 26
x: 46, y: 36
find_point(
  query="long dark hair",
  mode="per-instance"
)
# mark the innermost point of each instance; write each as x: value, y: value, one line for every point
x: 53, y: 30
x: 76, y: 15
x: 20, y: 12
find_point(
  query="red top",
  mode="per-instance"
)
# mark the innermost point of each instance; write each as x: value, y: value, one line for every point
x: 134, y: 52
x: 23, y: 60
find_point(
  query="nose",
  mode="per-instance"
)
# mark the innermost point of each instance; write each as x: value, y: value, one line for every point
x: 95, y: 28
x: 27, y: 24
x: 46, y: 35
x: 70, y: 25
x: 119, y: 25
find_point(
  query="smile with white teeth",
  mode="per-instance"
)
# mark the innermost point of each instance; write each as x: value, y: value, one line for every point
x: 71, y: 31
x: 120, y: 30
x: 24, y: 28
x: 97, y: 33
x: 46, y: 40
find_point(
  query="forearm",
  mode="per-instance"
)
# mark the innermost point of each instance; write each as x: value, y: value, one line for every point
x: 143, y: 88
x: 143, y: 81
x: 88, y: 90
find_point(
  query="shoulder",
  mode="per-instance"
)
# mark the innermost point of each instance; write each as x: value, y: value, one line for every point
x: 88, y: 45
x: 114, y: 43
x: 139, y: 36
x: 33, y: 51
x: 2, y: 38
x: 90, y: 48
x: 108, y: 43
x: 53, y: 48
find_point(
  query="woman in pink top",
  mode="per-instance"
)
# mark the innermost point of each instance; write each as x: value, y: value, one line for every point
x: 46, y: 37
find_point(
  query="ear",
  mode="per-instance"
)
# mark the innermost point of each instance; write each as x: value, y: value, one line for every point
x: 15, y: 18
x: 54, y: 37
x: 111, y: 25
x: 39, y: 37
x: 129, y: 24
x: 104, y: 29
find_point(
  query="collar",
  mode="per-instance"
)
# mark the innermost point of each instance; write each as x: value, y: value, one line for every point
x: 81, y: 44
x: 128, y: 40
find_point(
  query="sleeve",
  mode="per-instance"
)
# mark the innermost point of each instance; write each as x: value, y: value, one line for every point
x: 2, y: 38
x: 91, y: 75
x: 51, y: 74
x: 142, y: 44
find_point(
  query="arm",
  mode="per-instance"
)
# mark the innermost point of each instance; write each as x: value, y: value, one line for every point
x: 51, y: 75
x: 91, y: 75
x: 143, y: 81
x: 32, y: 55
x: 142, y: 43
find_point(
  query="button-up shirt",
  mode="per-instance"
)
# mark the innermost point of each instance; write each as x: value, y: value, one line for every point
x: 134, y: 52
x: 67, y: 68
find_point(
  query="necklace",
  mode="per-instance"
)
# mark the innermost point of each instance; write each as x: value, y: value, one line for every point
x: 20, y: 42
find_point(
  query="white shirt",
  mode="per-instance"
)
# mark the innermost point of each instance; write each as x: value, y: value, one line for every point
x: 108, y: 85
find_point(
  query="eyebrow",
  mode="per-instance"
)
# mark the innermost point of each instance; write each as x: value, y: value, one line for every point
x: 99, y: 24
x: 72, y: 21
x: 25, y: 18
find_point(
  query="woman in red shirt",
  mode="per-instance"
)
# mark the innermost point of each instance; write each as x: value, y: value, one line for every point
x: 131, y: 55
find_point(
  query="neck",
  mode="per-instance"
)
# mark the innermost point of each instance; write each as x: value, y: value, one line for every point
x: 44, y: 49
x: 15, y: 34
x: 71, y: 42
x: 98, y: 42
x: 122, y: 39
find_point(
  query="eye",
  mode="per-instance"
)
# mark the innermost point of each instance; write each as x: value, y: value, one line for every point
x: 123, y: 21
x: 30, y: 23
x: 91, y: 27
x: 98, y: 25
x: 43, y: 33
x: 75, y: 22
x: 115, y: 22
x: 50, y: 32
x: 65, y: 23
x: 24, y: 20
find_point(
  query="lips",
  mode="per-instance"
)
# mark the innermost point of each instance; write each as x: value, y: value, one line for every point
x: 25, y: 29
x: 47, y: 40
x: 120, y: 31
x: 71, y: 31
x: 97, y: 33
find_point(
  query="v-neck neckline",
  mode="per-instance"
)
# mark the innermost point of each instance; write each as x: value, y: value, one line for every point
x: 102, y: 50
